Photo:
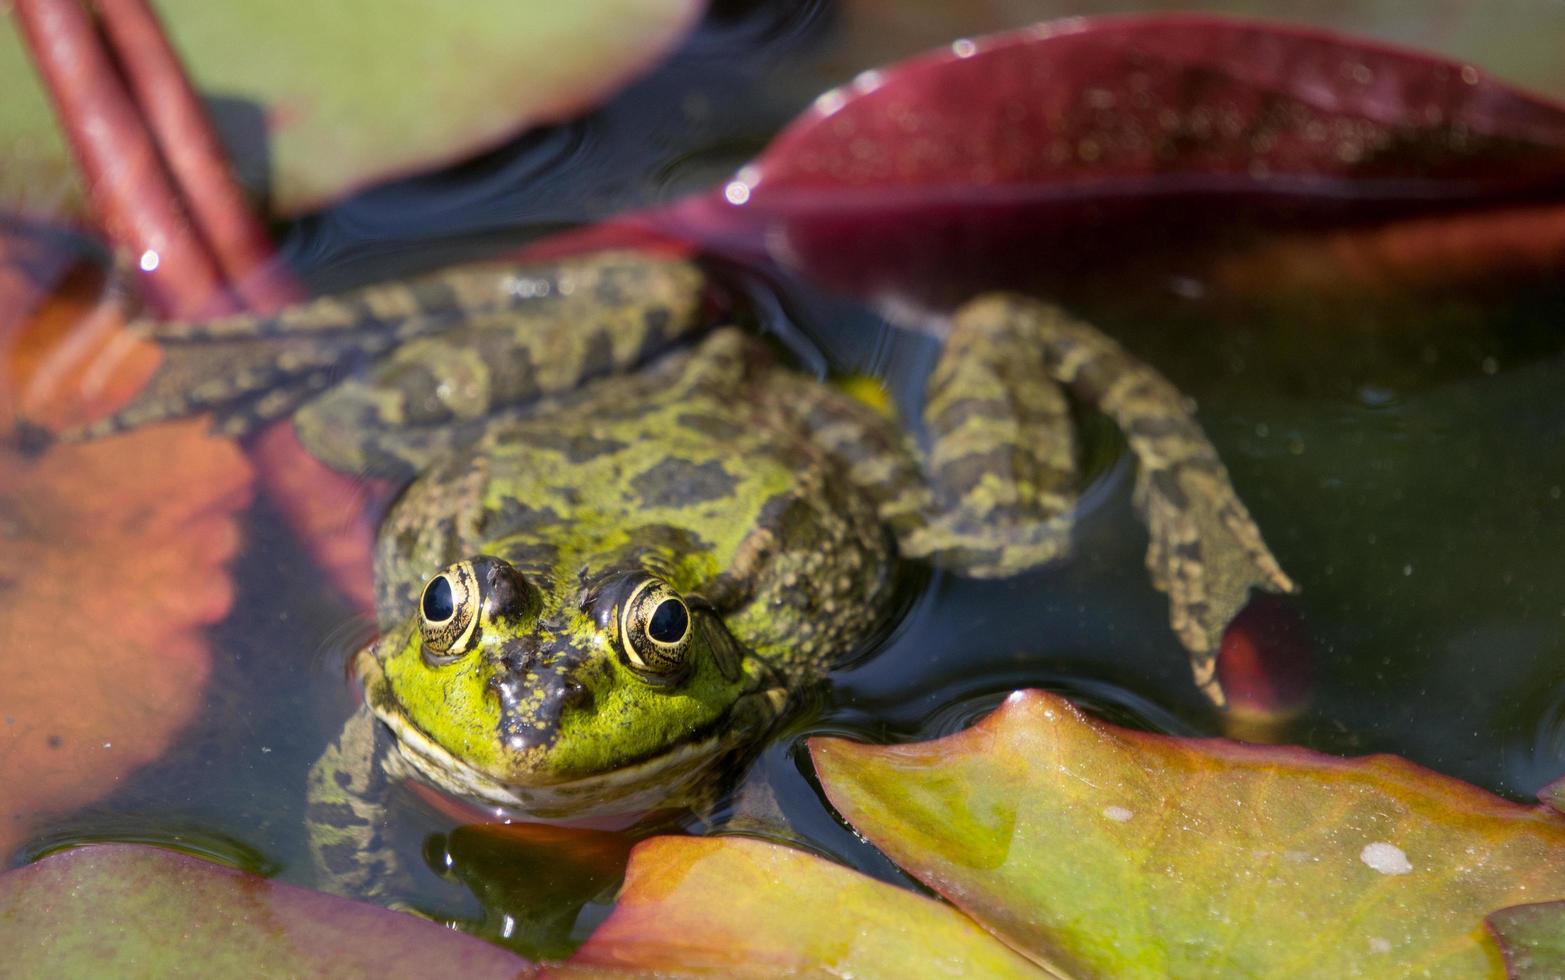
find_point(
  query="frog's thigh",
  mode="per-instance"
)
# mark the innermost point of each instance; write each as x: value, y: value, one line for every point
x: 346, y: 812
x: 362, y: 426
x: 1002, y: 460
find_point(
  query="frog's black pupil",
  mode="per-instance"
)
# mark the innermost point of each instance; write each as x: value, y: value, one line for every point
x: 669, y: 622
x: 438, y: 604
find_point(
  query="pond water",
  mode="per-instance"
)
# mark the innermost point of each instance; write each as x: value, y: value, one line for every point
x: 1400, y: 454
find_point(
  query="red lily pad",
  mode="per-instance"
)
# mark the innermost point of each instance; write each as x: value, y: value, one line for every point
x: 1532, y: 938
x: 1108, y: 852
x: 745, y: 908
x: 1071, y: 144
x: 352, y: 93
x: 128, y: 910
x: 115, y: 559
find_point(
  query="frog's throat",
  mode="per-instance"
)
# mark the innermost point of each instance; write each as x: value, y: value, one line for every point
x: 642, y: 785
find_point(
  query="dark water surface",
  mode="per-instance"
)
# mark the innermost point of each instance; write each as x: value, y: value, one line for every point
x: 1403, y: 458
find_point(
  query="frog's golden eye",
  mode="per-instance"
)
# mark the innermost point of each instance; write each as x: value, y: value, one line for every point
x: 448, y: 613
x: 655, y: 630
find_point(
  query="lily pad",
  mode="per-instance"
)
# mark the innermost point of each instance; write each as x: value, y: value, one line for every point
x: 128, y: 910
x: 739, y: 907
x: 317, y: 100
x: 1533, y: 940
x: 1028, y: 157
x: 115, y: 560
x: 1107, y: 852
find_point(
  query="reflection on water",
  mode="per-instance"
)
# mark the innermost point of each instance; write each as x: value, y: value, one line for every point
x: 1402, y: 458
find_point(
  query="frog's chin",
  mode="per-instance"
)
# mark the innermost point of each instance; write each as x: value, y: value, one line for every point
x: 669, y: 778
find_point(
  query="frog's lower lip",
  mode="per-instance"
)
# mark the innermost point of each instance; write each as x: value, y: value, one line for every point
x: 639, y: 786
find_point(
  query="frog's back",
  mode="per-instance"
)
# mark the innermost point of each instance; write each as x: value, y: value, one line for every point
x: 692, y: 470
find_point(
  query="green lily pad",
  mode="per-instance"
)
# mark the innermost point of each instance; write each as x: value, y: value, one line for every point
x: 354, y: 92
x: 133, y: 911
x: 1107, y: 852
x: 1533, y: 939
x: 733, y: 906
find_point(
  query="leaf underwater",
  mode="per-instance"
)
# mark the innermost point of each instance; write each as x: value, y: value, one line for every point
x: 1026, y: 158
x: 115, y: 559
x: 1109, y: 852
x: 317, y: 101
x: 135, y: 911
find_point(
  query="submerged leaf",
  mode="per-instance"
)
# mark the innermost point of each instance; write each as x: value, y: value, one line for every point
x: 127, y: 910
x: 733, y: 906
x: 1108, y: 852
x: 114, y: 560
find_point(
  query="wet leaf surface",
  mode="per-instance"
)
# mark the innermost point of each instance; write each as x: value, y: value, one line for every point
x: 1532, y: 938
x: 115, y: 558
x: 315, y: 101
x: 1028, y: 157
x: 126, y: 910
x: 1109, y: 852
x: 733, y: 906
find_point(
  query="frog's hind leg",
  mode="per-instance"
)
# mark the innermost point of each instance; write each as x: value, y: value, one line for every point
x: 1002, y: 459
x: 248, y: 370
x: 433, y: 393
x: 1205, y: 551
x: 346, y: 814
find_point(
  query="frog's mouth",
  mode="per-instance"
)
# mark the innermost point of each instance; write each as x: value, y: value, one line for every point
x: 673, y: 776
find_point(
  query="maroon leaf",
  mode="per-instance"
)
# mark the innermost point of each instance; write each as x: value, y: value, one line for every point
x: 1070, y: 144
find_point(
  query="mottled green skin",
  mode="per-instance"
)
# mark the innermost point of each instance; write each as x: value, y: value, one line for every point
x: 564, y: 437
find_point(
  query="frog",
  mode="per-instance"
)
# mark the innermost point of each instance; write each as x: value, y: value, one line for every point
x: 631, y: 538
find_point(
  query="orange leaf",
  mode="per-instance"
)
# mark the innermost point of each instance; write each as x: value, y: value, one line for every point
x: 114, y: 559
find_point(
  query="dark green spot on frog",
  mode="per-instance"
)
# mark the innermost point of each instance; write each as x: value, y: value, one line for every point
x: 629, y: 541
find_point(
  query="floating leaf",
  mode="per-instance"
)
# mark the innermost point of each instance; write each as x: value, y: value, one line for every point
x: 319, y: 100
x: 127, y: 910
x: 1062, y: 147
x: 733, y: 906
x: 1109, y: 852
x: 1532, y: 937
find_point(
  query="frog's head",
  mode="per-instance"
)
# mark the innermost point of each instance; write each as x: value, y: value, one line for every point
x: 610, y: 694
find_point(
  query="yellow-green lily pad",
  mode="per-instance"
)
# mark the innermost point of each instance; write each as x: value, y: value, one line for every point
x: 352, y: 92
x: 1108, y: 852
x: 736, y: 907
x: 125, y: 910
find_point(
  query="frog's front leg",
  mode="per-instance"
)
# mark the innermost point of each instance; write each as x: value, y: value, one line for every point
x: 1205, y: 551
x: 346, y: 813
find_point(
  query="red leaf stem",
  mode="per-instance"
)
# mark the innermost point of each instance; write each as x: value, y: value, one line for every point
x: 129, y: 189
x: 178, y: 122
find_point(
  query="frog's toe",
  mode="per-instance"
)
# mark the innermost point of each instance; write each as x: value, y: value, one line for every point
x: 1207, y: 554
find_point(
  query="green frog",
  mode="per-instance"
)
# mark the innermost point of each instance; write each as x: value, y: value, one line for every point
x: 629, y: 540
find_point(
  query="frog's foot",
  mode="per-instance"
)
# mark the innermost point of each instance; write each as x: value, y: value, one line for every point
x: 346, y: 814
x: 1205, y: 550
